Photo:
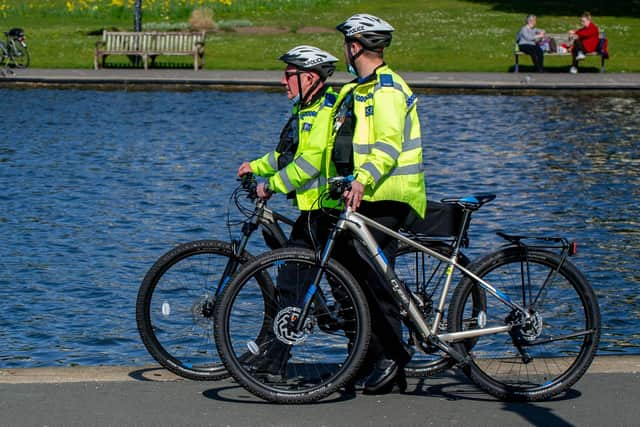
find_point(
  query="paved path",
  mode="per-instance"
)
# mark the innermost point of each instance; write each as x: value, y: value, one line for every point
x: 126, y: 396
x: 623, y: 82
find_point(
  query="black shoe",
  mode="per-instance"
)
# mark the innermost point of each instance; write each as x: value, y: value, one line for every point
x: 271, y: 365
x: 386, y: 374
x: 267, y: 368
x: 350, y: 387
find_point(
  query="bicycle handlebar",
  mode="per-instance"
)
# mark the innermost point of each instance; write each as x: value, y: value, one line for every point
x: 248, y: 182
x: 338, y: 185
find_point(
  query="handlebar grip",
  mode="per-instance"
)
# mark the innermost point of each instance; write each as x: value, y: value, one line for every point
x: 338, y: 185
x: 248, y: 182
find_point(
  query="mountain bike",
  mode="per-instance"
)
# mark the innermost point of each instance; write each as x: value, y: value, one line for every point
x: 175, y: 302
x: 14, y: 50
x: 532, y: 334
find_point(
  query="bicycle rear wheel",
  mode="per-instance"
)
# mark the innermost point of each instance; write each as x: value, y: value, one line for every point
x: 423, y: 275
x: 174, y: 308
x: 290, y: 365
x: 539, y: 357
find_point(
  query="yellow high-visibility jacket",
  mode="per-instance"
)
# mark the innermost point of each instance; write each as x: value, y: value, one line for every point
x: 304, y: 174
x: 387, y: 144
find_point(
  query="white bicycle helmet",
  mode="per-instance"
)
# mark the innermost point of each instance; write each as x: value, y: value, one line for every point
x: 310, y: 58
x: 372, y: 32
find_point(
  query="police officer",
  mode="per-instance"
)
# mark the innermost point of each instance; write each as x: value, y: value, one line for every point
x: 297, y: 168
x: 377, y: 140
x: 294, y: 167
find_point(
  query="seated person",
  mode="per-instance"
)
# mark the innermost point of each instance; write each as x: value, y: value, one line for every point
x: 528, y: 42
x: 585, y: 40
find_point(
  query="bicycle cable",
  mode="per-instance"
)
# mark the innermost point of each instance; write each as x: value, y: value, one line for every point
x: 234, y: 198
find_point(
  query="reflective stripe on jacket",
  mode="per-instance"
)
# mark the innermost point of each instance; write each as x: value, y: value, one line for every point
x: 387, y: 140
x: 304, y: 174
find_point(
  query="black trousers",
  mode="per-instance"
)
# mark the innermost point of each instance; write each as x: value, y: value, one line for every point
x: 312, y: 230
x: 577, y: 47
x: 537, y: 56
x: 386, y: 337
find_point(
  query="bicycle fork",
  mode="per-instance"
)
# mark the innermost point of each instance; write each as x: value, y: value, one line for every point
x: 238, y: 248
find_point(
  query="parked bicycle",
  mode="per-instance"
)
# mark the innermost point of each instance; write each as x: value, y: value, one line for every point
x: 14, y: 50
x: 175, y: 302
x: 531, y: 335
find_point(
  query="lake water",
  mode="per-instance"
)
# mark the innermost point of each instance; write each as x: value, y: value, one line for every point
x: 94, y: 186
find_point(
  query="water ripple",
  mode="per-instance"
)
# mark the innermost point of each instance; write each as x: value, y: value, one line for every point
x: 94, y: 186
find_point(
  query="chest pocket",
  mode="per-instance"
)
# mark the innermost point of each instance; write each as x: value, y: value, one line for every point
x: 345, y: 124
x: 288, y: 144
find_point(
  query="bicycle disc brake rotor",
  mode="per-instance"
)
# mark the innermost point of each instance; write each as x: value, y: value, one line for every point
x: 202, y: 312
x: 531, y: 328
x: 284, y: 323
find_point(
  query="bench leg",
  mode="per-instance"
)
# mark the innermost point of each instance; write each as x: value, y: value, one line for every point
x: 145, y: 60
x: 195, y: 62
x: 517, y: 66
x: 602, y: 63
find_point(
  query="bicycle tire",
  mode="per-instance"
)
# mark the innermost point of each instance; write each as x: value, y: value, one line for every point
x: 19, y: 54
x: 561, y: 339
x: 185, y: 346
x: 309, y: 364
x: 419, y: 271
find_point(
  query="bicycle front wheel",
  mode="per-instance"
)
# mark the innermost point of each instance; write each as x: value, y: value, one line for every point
x: 544, y: 353
x: 174, y: 308
x: 19, y: 54
x: 302, y: 358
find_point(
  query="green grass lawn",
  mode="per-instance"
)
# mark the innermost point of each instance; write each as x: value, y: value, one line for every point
x: 431, y: 35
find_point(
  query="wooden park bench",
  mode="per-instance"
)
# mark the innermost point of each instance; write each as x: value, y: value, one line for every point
x: 562, y: 39
x: 147, y: 45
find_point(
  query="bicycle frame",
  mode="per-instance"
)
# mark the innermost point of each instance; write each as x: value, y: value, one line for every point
x: 358, y: 225
x: 261, y: 216
x: 3, y: 50
x: 8, y: 49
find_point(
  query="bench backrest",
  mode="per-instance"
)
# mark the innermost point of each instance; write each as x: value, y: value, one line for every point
x: 152, y: 41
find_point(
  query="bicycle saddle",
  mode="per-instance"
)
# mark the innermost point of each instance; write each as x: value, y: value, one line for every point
x: 471, y: 202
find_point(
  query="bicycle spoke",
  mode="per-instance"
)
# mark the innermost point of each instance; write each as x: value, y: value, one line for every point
x: 548, y: 348
x: 258, y: 336
x: 176, y: 305
x: 423, y: 276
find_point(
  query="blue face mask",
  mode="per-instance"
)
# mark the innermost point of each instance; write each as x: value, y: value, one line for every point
x: 295, y: 99
x: 352, y: 70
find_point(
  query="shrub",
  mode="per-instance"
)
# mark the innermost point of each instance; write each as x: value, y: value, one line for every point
x: 202, y: 19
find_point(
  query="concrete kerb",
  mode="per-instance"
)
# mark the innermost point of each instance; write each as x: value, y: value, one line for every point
x: 45, y: 375
x: 548, y: 83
